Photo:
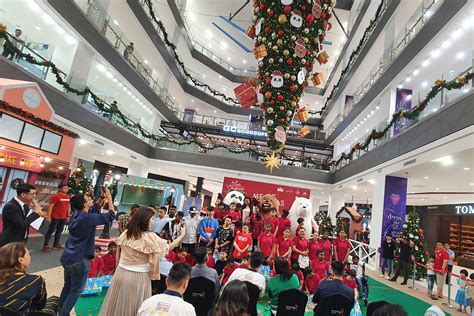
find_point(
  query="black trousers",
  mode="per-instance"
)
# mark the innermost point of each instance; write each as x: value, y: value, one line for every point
x: 56, y: 227
x: 448, y: 276
x: 403, y: 268
x: 190, y: 247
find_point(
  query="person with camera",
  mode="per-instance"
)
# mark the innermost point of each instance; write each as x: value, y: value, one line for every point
x: 172, y: 229
x: 16, y: 215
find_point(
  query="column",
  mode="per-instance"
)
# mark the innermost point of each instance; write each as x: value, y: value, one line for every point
x: 315, y: 201
x: 336, y: 201
x: 377, y: 210
x: 80, y: 69
x: 137, y: 169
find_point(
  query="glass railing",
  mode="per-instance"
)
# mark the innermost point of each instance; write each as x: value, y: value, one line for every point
x: 335, y: 123
x: 206, y: 51
x: 97, y: 15
x: 442, y: 100
x: 416, y: 22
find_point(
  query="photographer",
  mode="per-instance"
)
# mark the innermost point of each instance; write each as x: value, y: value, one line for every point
x: 173, y: 228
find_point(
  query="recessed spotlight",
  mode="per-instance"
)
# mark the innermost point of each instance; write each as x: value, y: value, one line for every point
x: 437, y: 189
x: 215, y: 111
x: 244, y: 61
x: 467, y: 168
x: 445, y: 44
x: 460, y: 55
x: 377, y: 107
x: 228, y: 58
x: 465, y: 90
x: 427, y: 177
x: 425, y: 63
x: 192, y: 100
x: 203, y: 75
x: 82, y: 141
x: 220, y: 77
x: 407, y: 79
x: 116, y: 22
x: 416, y: 72
x: 428, y: 13
x: 471, y: 183
x: 424, y: 84
x: 145, y: 61
x: 109, y: 152
x: 197, y: 109
x: 456, y: 34
x: 399, y: 86
x: 435, y: 53
x: 38, y: 28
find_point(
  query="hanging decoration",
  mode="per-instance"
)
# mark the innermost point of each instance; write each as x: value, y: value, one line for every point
x: 34, y: 119
x: 272, y: 161
x: 286, y: 48
x: 412, y: 114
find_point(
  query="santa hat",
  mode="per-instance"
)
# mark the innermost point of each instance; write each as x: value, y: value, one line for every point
x: 277, y: 73
x: 300, y: 42
x: 296, y: 12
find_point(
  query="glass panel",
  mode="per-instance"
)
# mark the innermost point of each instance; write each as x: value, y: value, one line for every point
x: 32, y: 135
x: 51, y: 142
x: 11, y: 127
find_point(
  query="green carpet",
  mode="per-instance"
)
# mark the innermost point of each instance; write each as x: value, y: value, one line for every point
x: 90, y: 305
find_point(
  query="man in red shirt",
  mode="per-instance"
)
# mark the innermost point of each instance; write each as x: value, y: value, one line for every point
x: 58, y: 212
x: 441, y: 267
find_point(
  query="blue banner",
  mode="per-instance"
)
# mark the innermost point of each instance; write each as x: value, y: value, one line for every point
x: 394, y: 206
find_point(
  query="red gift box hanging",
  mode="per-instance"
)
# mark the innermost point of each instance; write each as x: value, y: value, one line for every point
x: 302, y: 115
x: 322, y: 57
x: 246, y: 93
x: 317, y: 78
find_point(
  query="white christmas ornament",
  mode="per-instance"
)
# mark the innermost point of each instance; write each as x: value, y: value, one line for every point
x: 277, y: 79
x: 405, y: 226
x: 416, y: 248
x: 296, y: 18
x: 301, y: 75
x: 411, y: 235
x: 416, y: 237
x: 286, y: 2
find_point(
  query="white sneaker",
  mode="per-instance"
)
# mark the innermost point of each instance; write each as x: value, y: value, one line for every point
x: 381, y: 275
x: 388, y: 277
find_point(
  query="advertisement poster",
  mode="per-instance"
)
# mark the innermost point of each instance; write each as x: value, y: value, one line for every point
x: 286, y: 195
x: 403, y: 101
x: 191, y: 201
x: 394, y: 206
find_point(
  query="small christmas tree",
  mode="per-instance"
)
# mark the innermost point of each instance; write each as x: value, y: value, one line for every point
x: 325, y: 225
x: 412, y: 230
x: 78, y: 181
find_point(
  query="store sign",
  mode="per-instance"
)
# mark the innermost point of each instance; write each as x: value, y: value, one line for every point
x: 247, y: 132
x: 15, y: 160
x: 464, y: 209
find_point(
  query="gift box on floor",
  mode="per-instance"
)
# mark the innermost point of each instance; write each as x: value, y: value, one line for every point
x: 317, y: 78
x: 323, y: 57
x: 246, y: 93
x: 302, y: 115
x: 93, y: 286
x: 260, y: 51
x: 265, y: 271
x: 105, y: 280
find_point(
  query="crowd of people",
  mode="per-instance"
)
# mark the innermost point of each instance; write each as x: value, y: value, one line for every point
x: 229, y: 246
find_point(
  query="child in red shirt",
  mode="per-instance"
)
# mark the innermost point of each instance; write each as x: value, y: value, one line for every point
x: 350, y: 281
x: 95, y: 264
x: 235, y: 213
x: 300, y: 222
x: 300, y: 246
x: 275, y: 221
x: 295, y: 269
x: 266, y: 241
x: 314, y: 246
x: 283, y: 223
x: 319, y: 265
x: 283, y: 245
x: 210, y: 258
x: 229, y: 268
x: 257, y: 227
x: 180, y: 256
x: 245, y: 263
x: 311, y: 281
x: 109, y: 260
x: 242, y: 243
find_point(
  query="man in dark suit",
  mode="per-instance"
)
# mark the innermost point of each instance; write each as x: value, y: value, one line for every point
x: 16, y: 220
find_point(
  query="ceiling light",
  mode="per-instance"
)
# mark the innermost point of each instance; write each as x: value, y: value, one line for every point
x: 47, y: 159
x: 129, y: 92
x: 377, y: 107
x: 399, y: 86
x: 109, y: 152
x: 456, y: 34
x: 228, y: 58
x: 428, y: 13
x: 82, y: 141
x: 244, y: 61
x: 425, y: 63
x: 427, y: 177
x: 445, y: 44
x: 41, y: 165
x: 192, y: 100
x: 467, y: 168
x: 367, y: 130
x: 416, y: 72
x: 38, y: 28
x: 471, y: 183
x: 435, y: 53
x: 407, y: 79
x: 354, y: 187
x: 100, y: 67
x: 445, y: 161
x: 197, y: 109
x: 437, y: 189
x: 460, y: 55
x: 220, y: 77
x: 465, y: 90
x: 215, y: 112
x: 109, y: 75
x: 116, y: 22
x: 203, y: 75
x: 60, y: 167
x: 145, y: 61
x: 424, y: 84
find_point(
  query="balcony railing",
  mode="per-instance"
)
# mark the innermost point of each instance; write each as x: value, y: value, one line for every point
x: 442, y: 100
x: 416, y: 22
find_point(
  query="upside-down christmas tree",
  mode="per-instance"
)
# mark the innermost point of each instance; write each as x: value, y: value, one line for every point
x: 288, y: 36
x: 78, y: 181
x: 412, y: 230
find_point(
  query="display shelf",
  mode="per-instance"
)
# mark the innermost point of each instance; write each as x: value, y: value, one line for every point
x: 462, y: 239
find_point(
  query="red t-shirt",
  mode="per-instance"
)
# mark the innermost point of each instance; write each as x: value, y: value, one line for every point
x: 352, y: 284
x: 95, y: 267
x: 218, y: 214
x: 211, y: 262
x: 236, y: 215
x: 266, y: 244
x: 271, y: 221
x: 320, y: 268
x: 342, y: 248
x: 109, y: 261
x: 228, y: 271
x: 190, y: 260
x: 61, y: 205
x: 440, y: 256
x: 300, y: 244
x: 242, y: 240
x: 300, y: 276
x: 312, y: 283
x: 257, y: 227
x: 314, y: 246
x: 326, y: 245
x: 284, y: 245
x: 282, y: 224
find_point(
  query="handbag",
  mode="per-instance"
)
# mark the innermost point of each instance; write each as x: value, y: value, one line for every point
x: 303, y: 261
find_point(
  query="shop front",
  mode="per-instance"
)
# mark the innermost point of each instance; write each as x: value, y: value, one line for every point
x: 452, y: 224
x: 32, y: 148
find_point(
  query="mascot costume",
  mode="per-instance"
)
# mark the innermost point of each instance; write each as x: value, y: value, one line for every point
x: 234, y: 197
x: 265, y: 203
x: 302, y: 208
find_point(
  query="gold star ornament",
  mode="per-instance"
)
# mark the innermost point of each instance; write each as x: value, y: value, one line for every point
x: 272, y: 161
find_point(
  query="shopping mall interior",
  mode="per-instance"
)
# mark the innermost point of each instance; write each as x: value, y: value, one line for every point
x: 362, y: 110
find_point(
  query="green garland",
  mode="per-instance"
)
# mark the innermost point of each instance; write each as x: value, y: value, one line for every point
x: 106, y: 108
x: 38, y: 121
x: 411, y: 114
x: 287, y: 42
x: 354, y: 53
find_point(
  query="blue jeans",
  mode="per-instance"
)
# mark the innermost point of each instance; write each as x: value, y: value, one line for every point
x: 387, y: 263
x: 361, y: 288
x: 431, y: 282
x: 75, y: 277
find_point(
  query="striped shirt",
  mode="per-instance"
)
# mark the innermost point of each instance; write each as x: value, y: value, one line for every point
x: 21, y: 292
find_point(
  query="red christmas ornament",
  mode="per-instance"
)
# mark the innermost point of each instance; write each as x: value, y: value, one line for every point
x: 292, y: 88
x: 357, y: 146
x: 271, y: 13
x: 420, y: 244
x: 262, y: 106
x: 323, y: 15
x: 287, y: 9
x: 280, y: 33
x: 272, y: 102
x: 282, y: 120
x: 260, y: 77
x: 289, y: 61
x: 420, y: 231
x: 303, y: 7
x: 267, y: 29
x: 280, y: 97
x: 309, y: 18
x: 260, y: 90
x: 329, y: 26
x: 293, y: 98
x: 268, y: 82
x: 262, y: 7
x: 329, y: 16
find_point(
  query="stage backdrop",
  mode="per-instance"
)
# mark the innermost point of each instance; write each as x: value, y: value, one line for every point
x: 286, y: 195
x: 394, y: 206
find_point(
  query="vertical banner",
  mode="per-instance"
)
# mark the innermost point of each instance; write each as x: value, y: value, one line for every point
x: 394, y: 206
x: 402, y: 102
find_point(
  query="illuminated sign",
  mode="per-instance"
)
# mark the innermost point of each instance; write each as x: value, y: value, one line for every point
x: 20, y: 161
x: 235, y: 130
x: 464, y: 209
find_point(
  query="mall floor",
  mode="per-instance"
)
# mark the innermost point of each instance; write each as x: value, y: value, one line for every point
x: 47, y: 265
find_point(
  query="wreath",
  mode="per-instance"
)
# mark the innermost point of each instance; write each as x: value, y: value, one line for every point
x: 15, y: 182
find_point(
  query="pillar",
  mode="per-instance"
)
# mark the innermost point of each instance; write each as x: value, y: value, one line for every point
x: 336, y: 201
x: 377, y: 210
x: 137, y: 169
x: 80, y: 69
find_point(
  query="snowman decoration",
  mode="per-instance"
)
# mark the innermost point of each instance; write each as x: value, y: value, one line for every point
x: 286, y: 2
x: 277, y: 79
x: 301, y: 75
x: 296, y: 18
